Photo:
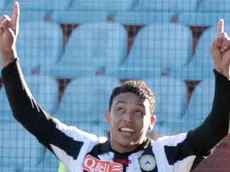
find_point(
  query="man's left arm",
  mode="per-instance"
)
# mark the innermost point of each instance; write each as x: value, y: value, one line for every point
x: 216, y: 126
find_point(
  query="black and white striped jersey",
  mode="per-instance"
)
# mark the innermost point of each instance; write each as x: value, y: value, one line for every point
x: 84, y: 152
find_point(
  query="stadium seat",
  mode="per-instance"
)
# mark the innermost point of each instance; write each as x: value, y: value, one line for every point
x: 10, y: 169
x: 85, y: 101
x: 157, y: 49
x: 49, y: 164
x: 166, y: 5
x: 41, y: 4
x: 203, y: 19
x: 208, y: 13
x: 201, y: 65
x: 78, y: 17
x: 200, y: 104
x: 170, y: 98
x: 143, y: 18
x: 27, y: 15
x: 3, y: 4
x: 39, y: 45
x: 198, y: 109
x: 92, y: 46
x: 102, y: 5
x: 19, y: 147
x: 214, y: 6
x: 43, y: 88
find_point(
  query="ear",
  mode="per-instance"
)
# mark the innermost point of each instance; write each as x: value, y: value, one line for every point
x: 107, y: 116
x: 152, y: 122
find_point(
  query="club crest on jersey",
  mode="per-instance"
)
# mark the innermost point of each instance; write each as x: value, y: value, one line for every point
x: 147, y: 162
x: 92, y: 164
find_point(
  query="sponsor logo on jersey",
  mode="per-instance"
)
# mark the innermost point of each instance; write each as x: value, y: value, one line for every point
x: 92, y: 164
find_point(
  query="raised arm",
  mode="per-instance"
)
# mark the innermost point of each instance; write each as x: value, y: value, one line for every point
x: 216, y: 126
x: 65, y: 142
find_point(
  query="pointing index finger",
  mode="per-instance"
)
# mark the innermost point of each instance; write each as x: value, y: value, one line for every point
x: 16, y: 14
x: 220, y: 27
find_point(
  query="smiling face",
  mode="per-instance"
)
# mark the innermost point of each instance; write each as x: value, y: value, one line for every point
x: 130, y: 118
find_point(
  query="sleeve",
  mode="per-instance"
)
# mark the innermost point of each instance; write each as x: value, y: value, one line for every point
x: 65, y: 142
x: 188, y: 150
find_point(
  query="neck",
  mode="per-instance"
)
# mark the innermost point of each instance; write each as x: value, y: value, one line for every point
x: 124, y: 148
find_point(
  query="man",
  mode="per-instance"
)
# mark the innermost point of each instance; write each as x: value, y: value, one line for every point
x: 129, y: 115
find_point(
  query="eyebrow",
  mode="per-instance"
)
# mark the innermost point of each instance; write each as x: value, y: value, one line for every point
x: 119, y: 101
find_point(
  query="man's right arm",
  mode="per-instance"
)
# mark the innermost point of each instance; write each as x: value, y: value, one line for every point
x: 64, y: 141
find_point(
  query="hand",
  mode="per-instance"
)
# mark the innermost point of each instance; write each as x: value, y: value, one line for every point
x: 9, y: 28
x: 221, y: 51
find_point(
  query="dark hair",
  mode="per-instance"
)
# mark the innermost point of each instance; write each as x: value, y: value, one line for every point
x: 137, y: 87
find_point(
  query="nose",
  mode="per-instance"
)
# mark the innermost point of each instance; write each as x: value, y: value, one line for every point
x: 128, y: 117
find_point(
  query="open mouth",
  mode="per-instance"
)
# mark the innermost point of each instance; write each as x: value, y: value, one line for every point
x: 127, y: 131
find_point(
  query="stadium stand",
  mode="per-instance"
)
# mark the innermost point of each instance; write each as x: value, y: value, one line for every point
x: 42, y: 5
x: 155, y: 52
x: 84, y: 103
x: 3, y: 4
x: 166, y: 5
x: 171, y: 101
x: 208, y: 13
x: 198, y: 108
x: 78, y: 17
x: 92, y: 47
x: 102, y: 5
x: 200, y: 104
x: 43, y: 88
x: 201, y: 63
x: 18, y: 148
x: 40, y: 45
x: 171, y: 98
x: 48, y: 164
x: 143, y: 18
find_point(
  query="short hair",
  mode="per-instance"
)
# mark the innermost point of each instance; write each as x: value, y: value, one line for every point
x: 137, y: 87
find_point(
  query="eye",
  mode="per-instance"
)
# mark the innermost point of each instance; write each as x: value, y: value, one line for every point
x: 120, y: 109
x: 139, y: 113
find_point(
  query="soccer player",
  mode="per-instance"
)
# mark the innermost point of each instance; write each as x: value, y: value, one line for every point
x: 129, y: 115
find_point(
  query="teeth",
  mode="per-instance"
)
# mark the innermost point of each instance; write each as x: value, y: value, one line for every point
x: 127, y: 129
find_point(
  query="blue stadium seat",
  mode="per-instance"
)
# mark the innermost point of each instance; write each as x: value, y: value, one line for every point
x: 78, y: 17
x: 208, y: 13
x: 204, y: 19
x: 198, y: 109
x: 166, y: 5
x: 171, y: 100
x: 85, y: 101
x: 50, y: 163
x: 201, y: 65
x: 157, y: 49
x: 9, y: 169
x: 3, y: 4
x: 43, y: 88
x: 27, y: 15
x: 39, y: 45
x: 19, y: 147
x: 200, y: 103
x: 214, y: 6
x: 41, y: 4
x: 143, y: 18
x: 102, y: 5
x: 170, y: 96
x: 92, y: 46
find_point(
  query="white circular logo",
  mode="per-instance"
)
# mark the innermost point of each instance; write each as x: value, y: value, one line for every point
x: 147, y: 163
